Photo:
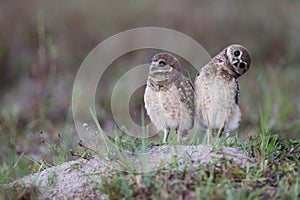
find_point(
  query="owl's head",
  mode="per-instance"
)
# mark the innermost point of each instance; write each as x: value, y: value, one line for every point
x: 164, y: 62
x: 239, y: 58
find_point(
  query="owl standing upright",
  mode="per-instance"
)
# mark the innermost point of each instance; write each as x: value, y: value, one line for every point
x: 217, y: 90
x: 169, y: 96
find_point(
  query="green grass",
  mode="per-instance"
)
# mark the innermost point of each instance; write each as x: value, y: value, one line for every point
x: 20, y: 191
x: 268, y: 126
x: 269, y: 95
x: 276, y: 176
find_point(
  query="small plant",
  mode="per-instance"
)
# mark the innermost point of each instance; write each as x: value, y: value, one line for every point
x: 20, y: 190
x: 117, y: 187
x: 52, y: 178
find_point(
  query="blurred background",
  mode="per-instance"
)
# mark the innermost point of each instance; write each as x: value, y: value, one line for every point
x: 43, y: 43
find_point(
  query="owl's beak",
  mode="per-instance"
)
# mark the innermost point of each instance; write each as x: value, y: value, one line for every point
x: 235, y: 62
x: 153, y: 64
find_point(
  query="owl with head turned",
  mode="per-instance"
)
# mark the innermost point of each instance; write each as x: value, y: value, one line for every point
x: 169, y: 96
x: 217, y: 90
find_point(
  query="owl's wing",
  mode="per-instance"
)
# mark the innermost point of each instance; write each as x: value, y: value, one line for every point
x: 237, y: 94
x: 191, y: 84
x: 186, y: 93
x: 203, y: 94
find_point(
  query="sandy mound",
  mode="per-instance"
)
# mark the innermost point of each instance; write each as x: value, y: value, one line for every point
x: 80, y: 179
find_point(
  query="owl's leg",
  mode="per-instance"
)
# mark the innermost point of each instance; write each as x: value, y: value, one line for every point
x: 182, y: 135
x: 209, y: 134
x: 166, y: 135
x: 178, y: 132
x: 209, y: 130
x: 221, y: 130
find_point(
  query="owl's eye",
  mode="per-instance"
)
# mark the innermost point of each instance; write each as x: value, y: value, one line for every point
x: 236, y: 53
x: 162, y: 63
x: 242, y: 65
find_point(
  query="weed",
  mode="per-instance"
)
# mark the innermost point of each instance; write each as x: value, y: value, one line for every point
x: 19, y: 190
x: 116, y: 187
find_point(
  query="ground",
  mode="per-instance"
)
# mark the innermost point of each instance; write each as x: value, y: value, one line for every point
x: 176, y: 172
x: 83, y: 178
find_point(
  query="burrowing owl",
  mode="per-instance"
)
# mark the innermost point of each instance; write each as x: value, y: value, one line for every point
x: 169, y: 96
x: 217, y: 90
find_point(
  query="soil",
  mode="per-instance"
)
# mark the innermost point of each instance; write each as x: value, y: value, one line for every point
x: 81, y: 179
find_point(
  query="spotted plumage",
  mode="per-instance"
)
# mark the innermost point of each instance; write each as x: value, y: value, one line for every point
x: 169, y: 96
x: 217, y: 90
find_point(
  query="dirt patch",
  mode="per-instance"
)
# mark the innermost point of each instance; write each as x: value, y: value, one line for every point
x: 81, y: 179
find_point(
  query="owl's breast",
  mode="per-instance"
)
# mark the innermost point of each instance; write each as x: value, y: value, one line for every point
x: 216, y: 99
x: 166, y: 109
